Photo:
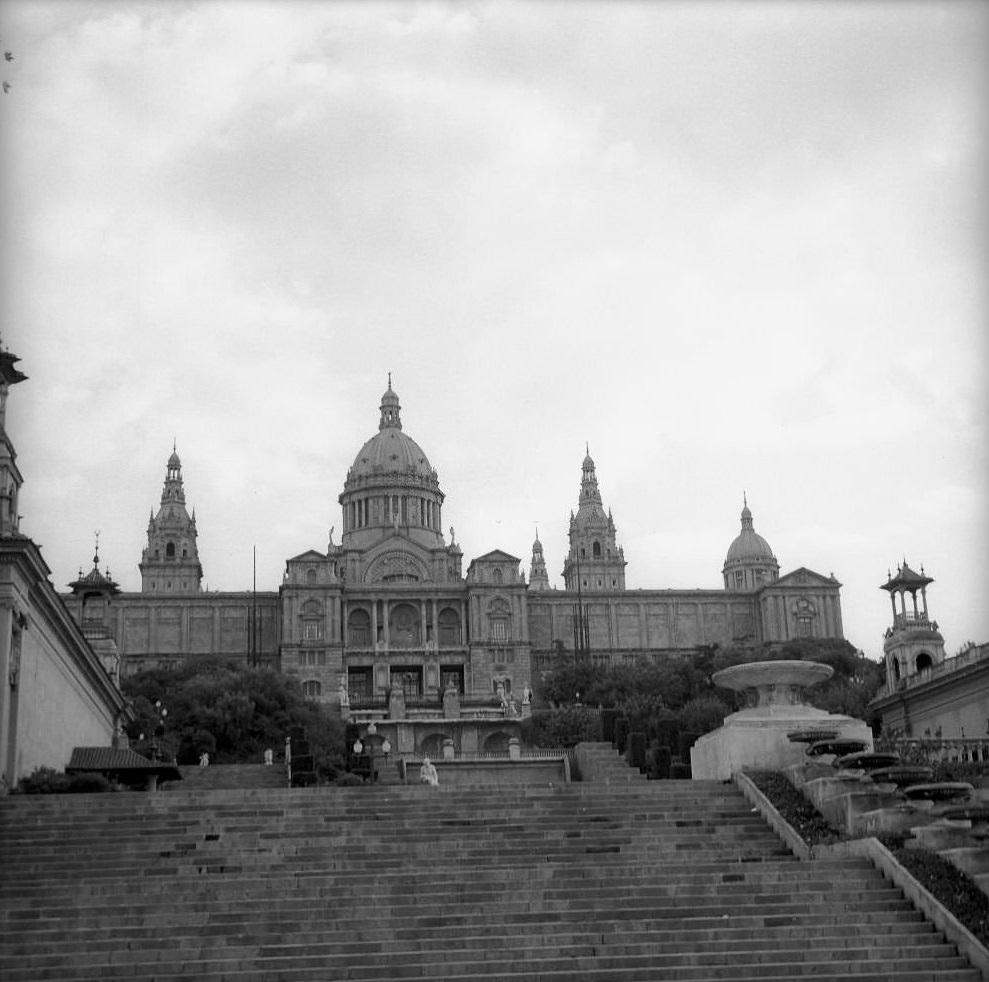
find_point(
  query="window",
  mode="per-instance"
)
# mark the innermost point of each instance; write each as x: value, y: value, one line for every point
x: 359, y: 629
x: 449, y: 622
x: 312, y: 689
x: 499, y: 628
x: 596, y: 550
x: 170, y: 550
x: 452, y: 675
x: 311, y: 630
x: 360, y: 687
x: 409, y: 680
x: 924, y: 661
x: 739, y: 578
x: 310, y: 577
x: 497, y: 576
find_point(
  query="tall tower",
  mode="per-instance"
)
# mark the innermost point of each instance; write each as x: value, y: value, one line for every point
x: 538, y: 577
x: 913, y: 643
x: 170, y: 563
x: 593, y: 551
x: 10, y: 475
x: 750, y: 563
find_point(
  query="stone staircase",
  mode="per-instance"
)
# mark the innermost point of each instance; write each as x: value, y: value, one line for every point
x: 230, y: 777
x: 664, y: 880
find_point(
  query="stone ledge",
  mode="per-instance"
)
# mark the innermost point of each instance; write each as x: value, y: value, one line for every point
x: 882, y: 859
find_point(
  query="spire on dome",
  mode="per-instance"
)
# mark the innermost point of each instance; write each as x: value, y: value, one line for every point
x: 390, y: 409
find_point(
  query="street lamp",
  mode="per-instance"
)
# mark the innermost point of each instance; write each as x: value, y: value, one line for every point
x: 161, y: 713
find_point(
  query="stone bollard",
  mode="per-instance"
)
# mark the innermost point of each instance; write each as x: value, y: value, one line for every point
x: 448, y: 751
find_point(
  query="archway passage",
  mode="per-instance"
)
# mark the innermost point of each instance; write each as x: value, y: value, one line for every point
x: 924, y: 661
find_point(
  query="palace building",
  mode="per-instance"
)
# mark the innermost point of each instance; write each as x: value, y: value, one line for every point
x: 389, y: 617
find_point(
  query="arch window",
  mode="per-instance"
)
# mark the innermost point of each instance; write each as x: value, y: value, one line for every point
x: 310, y: 577
x: 596, y: 549
x: 449, y: 624
x: 359, y: 629
x: 170, y: 550
x: 312, y: 688
x: 924, y: 661
x: 404, y: 627
x: 497, y: 576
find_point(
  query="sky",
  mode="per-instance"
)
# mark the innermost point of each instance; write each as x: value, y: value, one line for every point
x: 730, y: 247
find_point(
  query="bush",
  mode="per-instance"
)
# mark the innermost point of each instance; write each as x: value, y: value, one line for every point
x: 565, y: 727
x: 46, y: 780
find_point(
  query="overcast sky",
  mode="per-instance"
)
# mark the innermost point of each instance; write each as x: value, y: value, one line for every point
x: 732, y: 246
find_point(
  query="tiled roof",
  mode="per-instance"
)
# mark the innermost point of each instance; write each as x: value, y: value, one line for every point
x: 112, y: 759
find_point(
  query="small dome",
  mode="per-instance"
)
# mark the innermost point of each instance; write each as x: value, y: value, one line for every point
x: 174, y: 461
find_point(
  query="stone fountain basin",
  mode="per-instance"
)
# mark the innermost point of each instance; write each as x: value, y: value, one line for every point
x: 767, y: 674
x: 837, y: 748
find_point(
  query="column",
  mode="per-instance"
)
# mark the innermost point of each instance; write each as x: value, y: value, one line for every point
x: 422, y: 623
x: 436, y: 621
x: 374, y: 623
x: 384, y: 615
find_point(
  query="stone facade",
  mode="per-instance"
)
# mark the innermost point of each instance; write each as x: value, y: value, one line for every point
x: 56, y: 692
x: 389, y: 610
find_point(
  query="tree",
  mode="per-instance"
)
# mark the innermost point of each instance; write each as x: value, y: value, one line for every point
x: 231, y: 712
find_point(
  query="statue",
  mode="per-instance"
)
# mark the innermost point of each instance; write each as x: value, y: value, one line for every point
x: 427, y: 773
x: 526, y: 694
x: 453, y: 538
x: 332, y: 527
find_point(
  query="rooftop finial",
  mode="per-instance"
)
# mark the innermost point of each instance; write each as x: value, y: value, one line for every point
x: 745, y: 501
x: 96, y: 551
x: 389, y: 380
x: 175, y: 445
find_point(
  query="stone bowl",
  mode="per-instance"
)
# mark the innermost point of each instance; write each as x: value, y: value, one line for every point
x: 903, y: 775
x: 839, y: 748
x: 939, y: 790
x: 773, y: 683
x: 866, y: 761
x: 812, y: 736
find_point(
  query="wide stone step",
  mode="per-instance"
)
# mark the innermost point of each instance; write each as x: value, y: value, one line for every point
x: 650, y: 880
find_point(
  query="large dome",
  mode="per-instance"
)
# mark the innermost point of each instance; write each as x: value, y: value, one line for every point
x: 749, y: 544
x: 390, y: 451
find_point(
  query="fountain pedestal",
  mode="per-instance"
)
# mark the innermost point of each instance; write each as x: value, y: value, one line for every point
x: 757, y: 736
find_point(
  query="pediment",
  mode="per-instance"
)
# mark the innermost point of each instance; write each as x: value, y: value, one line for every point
x: 309, y: 556
x: 497, y: 556
x: 804, y: 578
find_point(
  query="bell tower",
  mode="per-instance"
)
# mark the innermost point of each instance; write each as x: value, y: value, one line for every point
x: 595, y: 561
x: 913, y: 643
x: 170, y: 562
x: 538, y: 577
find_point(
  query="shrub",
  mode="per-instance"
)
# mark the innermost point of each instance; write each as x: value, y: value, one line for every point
x: 46, y: 780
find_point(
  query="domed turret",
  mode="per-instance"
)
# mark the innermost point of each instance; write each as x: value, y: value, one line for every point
x: 750, y: 562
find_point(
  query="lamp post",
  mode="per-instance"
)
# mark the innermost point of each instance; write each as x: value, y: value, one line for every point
x: 161, y: 714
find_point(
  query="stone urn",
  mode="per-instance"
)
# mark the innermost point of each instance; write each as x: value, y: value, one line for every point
x: 756, y: 736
